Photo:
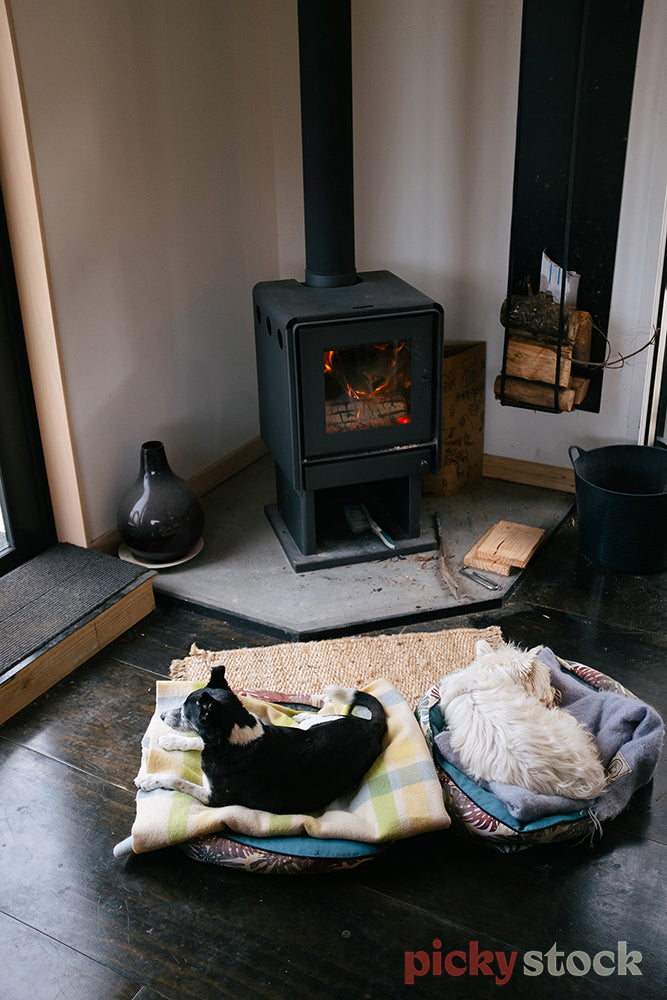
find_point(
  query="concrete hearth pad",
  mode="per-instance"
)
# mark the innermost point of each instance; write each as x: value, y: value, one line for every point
x: 242, y: 570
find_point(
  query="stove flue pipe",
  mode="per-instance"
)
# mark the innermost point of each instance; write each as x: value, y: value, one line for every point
x: 325, y: 61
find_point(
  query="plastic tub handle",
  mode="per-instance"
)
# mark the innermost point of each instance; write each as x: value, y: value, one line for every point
x: 571, y: 449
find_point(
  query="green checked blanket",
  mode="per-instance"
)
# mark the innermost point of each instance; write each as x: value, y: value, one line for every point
x: 399, y: 797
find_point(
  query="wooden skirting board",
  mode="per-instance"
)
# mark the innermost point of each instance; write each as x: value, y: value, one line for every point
x: 227, y: 466
x: 515, y: 470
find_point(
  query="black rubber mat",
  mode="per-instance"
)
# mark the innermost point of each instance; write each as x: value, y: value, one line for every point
x: 56, y: 592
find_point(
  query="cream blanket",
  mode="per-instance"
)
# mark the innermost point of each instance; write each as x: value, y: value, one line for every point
x: 399, y: 797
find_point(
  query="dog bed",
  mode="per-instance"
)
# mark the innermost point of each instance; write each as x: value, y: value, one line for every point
x: 629, y: 735
x: 399, y: 797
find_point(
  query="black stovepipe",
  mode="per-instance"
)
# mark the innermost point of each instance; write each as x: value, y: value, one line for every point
x: 325, y: 61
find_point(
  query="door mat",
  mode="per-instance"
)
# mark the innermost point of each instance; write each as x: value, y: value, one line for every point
x: 59, y: 609
x: 54, y: 594
x: 411, y: 661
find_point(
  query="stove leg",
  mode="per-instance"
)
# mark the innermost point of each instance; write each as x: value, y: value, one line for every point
x: 297, y: 509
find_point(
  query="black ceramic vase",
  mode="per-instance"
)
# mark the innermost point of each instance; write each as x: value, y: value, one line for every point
x: 160, y: 517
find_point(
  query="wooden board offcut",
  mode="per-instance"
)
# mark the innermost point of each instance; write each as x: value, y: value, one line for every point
x: 504, y: 546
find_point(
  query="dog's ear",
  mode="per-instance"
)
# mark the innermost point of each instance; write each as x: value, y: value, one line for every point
x: 524, y: 662
x: 482, y: 647
x: 207, y: 705
x: 523, y: 668
x: 218, y: 679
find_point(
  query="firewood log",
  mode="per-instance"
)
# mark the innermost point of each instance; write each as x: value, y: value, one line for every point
x: 529, y: 359
x: 533, y: 393
x: 538, y: 316
x: 580, y: 386
x: 580, y: 331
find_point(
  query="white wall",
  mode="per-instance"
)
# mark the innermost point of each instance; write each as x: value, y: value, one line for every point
x: 435, y: 90
x: 166, y: 139
x: 152, y: 131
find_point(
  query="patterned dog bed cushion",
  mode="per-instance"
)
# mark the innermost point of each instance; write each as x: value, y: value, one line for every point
x: 282, y: 855
x: 629, y: 735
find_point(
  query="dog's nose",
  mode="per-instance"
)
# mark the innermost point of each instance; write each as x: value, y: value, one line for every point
x: 162, y: 715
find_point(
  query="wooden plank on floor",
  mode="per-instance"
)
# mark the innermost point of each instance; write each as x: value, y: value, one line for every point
x: 35, y: 967
x: 93, y: 720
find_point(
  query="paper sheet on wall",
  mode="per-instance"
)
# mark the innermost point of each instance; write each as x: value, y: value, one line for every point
x: 551, y: 281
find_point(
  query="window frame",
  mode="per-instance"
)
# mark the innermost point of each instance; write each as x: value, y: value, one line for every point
x: 29, y: 526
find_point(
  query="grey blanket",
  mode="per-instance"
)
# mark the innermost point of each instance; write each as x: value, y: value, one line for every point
x: 629, y: 735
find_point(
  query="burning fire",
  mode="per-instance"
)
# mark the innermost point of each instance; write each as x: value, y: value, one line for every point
x: 367, y: 386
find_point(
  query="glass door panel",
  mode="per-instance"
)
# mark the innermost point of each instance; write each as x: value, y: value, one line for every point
x: 367, y: 383
x: 5, y: 535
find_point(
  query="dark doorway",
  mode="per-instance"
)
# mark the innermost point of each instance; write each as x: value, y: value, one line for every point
x: 26, y: 518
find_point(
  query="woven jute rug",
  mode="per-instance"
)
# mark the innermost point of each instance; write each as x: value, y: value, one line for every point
x: 411, y: 661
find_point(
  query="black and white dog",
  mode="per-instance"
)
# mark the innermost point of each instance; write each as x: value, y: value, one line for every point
x: 280, y: 769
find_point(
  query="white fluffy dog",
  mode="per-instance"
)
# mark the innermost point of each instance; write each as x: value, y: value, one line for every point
x: 504, y: 724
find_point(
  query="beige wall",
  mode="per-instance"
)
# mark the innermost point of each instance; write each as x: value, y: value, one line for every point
x: 166, y: 147
x: 152, y: 136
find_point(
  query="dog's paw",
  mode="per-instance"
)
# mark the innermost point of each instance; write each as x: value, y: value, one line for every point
x: 148, y: 782
x: 176, y: 741
x: 171, y: 741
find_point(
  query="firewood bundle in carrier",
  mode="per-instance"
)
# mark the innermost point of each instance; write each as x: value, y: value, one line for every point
x: 544, y: 364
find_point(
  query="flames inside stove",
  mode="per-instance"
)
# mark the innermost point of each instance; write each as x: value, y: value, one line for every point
x: 367, y: 385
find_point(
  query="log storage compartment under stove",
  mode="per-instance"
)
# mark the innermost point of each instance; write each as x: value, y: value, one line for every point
x: 349, y: 365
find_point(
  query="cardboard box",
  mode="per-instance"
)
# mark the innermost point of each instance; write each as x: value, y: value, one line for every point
x: 463, y: 385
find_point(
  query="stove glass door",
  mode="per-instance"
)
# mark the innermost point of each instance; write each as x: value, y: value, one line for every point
x: 366, y: 384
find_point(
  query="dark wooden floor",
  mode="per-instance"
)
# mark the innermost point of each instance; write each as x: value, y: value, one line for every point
x: 77, y: 923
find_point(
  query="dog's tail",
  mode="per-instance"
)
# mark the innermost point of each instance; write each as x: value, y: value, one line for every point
x: 367, y: 705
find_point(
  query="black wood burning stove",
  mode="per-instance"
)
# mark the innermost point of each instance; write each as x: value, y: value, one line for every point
x: 349, y: 365
x: 350, y: 404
